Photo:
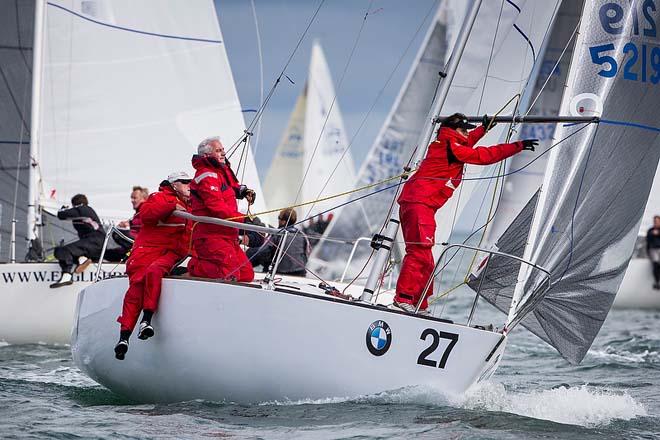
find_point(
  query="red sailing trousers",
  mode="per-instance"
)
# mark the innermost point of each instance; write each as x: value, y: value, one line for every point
x: 418, y: 228
x: 221, y: 258
x: 146, y: 268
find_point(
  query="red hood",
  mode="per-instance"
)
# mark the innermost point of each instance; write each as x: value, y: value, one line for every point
x: 450, y: 134
x: 207, y: 162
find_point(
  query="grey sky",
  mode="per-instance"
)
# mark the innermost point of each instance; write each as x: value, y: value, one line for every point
x: 389, y: 29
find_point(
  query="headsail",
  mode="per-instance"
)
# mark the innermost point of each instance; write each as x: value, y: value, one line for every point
x: 512, y: 33
x: 16, y: 34
x: 129, y: 89
x: 598, y: 180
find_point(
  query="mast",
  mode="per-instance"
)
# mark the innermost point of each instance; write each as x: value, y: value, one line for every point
x: 33, y: 216
x: 383, y: 251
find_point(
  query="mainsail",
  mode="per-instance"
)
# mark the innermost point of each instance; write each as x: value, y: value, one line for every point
x: 129, y: 88
x: 546, y: 95
x: 16, y: 34
x: 313, y: 144
x: 512, y: 33
x: 598, y: 180
x: 391, y: 149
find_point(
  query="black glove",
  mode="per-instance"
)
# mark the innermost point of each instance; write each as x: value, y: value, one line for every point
x: 241, y: 191
x: 530, y: 144
x: 251, y: 196
x: 488, y: 122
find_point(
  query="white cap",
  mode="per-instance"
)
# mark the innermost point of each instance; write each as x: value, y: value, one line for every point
x: 179, y: 176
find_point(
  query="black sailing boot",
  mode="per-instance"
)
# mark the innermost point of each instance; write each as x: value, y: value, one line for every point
x: 146, y: 329
x: 122, y: 346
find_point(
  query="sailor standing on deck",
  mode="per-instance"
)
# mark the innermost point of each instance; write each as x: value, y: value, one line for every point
x: 160, y: 244
x: 428, y: 190
x: 213, y: 193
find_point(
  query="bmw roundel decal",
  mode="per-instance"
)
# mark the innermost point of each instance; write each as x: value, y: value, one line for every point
x: 379, y: 338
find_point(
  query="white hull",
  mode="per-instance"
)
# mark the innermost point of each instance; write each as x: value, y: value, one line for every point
x: 241, y: 343
x: 30, y: 311
x: 636, y: 291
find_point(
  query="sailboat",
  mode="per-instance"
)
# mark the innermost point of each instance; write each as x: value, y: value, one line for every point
x: 278, y: 338
x: 636, y: 291
x: 120, y: 94
x: 314, y: 139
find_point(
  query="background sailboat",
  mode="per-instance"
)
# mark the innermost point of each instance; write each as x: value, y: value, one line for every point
x: 122, y: 92
x: 313, y: 143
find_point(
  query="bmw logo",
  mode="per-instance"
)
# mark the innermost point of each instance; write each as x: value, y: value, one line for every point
x: 379, y: 338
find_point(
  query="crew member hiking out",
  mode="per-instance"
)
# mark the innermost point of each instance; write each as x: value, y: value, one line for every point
x: 439, y: 174
x: 90, y: 233
x: 213, y: 193
x: 161, y: 243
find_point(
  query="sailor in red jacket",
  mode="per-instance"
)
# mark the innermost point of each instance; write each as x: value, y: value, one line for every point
x: 160, y: 244
x: 213, y: 193
x: 428, y: 190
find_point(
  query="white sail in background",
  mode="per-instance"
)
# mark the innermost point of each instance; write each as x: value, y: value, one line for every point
x: 390, y: 152
x: 129, y: 89
x: 521, y: 185
x: 598, y: 181
x: 287, y: 167
x: 515, y: 32
x: 313, y: 143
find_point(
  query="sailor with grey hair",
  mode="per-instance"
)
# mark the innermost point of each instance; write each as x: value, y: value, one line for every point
x: 213, y: 193
x: 206, y: 146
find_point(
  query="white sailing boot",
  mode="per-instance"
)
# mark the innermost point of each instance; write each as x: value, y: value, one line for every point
x: 121, y: 349
x: 65, y: 280
x: 146, y: 330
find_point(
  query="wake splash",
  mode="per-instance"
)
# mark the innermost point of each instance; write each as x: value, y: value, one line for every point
x: 583, y: 405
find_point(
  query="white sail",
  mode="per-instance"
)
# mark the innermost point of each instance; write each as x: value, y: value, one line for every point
x: 521, y: 185
x: 598, y: 180
x: 287, y: 167
x: 129, y: 89
x: 313, y: 144
x: 514, y: 31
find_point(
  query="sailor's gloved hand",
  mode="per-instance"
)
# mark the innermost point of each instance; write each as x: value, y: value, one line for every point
x: 530, y: 144
x: 250, y: 196
x: 64, y: 207
x: 488, y: 122
x: 241, y: 191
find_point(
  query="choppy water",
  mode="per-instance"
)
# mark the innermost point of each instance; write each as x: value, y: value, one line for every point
x: 614, y: 393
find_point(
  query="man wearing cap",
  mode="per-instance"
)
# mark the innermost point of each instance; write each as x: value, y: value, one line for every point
x: 213, y: 193
x: 434, y: 182
x: 160, y: 244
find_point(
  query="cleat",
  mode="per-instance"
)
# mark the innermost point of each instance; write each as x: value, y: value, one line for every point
x: 83, y: 263
x: 121, y: 348
x: 65, y: 280
x: 146, y: 330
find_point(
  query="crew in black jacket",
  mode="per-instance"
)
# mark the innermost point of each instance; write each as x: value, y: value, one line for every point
x: 90, y: 233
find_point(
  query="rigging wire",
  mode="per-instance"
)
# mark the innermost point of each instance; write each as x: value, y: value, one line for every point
x: 278, y: 79
x: 261, y: 73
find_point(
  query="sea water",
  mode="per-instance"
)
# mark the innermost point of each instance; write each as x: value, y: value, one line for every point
x: 613, y: 393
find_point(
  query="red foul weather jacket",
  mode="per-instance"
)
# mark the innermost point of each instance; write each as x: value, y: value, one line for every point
x: 160, y: 229
x: 441, y: 171
x: 213, y: 194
